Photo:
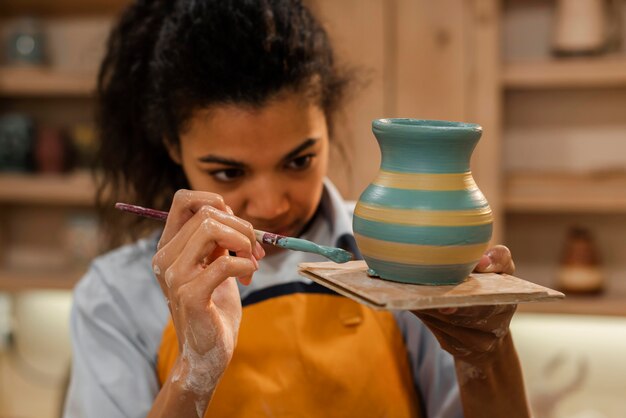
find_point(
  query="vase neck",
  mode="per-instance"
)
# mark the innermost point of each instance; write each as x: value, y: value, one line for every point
x: 427, y: 148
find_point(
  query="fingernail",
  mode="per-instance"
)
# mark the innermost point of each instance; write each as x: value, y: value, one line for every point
x: 255, y: 251
x: 245, y: 280
x: 484, y: 260
x: 256, y: 263
x: 260, y: 249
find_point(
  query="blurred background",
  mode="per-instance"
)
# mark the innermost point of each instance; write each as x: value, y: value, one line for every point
x: 545, y: 78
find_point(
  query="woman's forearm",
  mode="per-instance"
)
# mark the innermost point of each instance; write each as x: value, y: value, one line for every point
x: 182, y: 395
x: 494, y: 388
x: 174, y: 401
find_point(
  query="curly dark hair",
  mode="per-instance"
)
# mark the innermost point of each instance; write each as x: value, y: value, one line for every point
x: 167, y: 58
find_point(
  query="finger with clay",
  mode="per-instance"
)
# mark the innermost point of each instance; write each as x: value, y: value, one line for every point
x: 469, y: 334
x: 474, y: 332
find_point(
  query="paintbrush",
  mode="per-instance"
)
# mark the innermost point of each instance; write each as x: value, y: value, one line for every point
x: 337, y: 255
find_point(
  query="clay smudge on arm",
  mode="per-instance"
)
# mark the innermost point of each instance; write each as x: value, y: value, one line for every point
x: 204, y: 370
x: 468, y: 372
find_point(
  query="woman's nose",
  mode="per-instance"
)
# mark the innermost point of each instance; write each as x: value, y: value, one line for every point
x: 267, y: 201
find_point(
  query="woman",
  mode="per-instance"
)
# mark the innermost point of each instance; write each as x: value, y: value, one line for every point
x: 220, y: 112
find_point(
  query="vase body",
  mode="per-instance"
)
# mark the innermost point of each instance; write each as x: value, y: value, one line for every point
x: 423, y: 220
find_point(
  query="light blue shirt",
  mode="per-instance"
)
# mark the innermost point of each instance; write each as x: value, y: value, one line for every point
x: 119, y: 314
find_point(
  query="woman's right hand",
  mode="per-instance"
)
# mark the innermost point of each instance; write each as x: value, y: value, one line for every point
x: 197, y: 276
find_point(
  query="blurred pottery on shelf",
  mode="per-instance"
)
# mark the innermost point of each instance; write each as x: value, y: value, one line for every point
x: 16, y: 142
x: 26, y: 43
x: 83, y: 139
x: 580, y: 270
x: 53, y: 151
x: 423, y: 220
x: 585, y: 27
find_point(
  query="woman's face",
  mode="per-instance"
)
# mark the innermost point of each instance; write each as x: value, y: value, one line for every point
x: 268, y: 163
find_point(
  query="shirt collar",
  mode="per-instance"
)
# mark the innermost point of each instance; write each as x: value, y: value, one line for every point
x: 338, y: 213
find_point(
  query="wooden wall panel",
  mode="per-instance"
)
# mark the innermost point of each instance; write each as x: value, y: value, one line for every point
x: 356, y: 28
x: 484, y: 102
x: 424, y: 59
x: 431, y: 59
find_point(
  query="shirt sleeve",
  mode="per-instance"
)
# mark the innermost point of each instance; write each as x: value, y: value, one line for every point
x: 113, y: 372
x: 432, y: 368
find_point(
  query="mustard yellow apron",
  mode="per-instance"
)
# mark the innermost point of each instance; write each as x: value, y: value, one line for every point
x: 310, y: 355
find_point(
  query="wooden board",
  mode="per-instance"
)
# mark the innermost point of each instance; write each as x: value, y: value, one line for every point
x: 350, y: 279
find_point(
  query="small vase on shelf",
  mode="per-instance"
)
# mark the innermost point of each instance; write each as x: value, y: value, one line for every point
x: 52, y: 152
x: 586, y: 27
x: 580, y: 270
x: 26, y: 43
x: 17, y: 136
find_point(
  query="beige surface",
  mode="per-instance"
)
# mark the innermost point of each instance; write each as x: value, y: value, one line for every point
x: 33, y: 370
x: 556, y: 350
x: 350, y: 279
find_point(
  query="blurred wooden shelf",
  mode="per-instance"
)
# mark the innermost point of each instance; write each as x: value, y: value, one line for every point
x: 45, y: 82
x: 564, y: 192
x: 566, y: 72
x: 602, y: 304
x: 75, y: 189
x: 18, y: 280
x: 60, y: 7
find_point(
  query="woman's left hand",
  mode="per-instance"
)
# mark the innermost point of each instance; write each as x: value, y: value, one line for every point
x: 471, y: 334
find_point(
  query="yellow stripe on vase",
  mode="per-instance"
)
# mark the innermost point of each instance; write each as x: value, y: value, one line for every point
x: 418, y: 217
x: 419, y: 254
x: 425, y: 181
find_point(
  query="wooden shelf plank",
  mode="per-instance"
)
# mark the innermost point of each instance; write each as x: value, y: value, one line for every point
x: 16, y: 280
x: 60, y: 7
x: 602, y: 304
x: 572, y: 72
x: 71, y: 189
x: 38, y: 82
x: 565, y: 192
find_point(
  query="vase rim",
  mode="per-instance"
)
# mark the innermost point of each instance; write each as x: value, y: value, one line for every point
x: 400, y: 123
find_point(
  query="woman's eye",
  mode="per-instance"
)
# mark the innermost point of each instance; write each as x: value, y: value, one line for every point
x: 228, y: 175
x: 300, y: 163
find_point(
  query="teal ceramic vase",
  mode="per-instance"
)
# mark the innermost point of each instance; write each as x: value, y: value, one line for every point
x: 423, y: 220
